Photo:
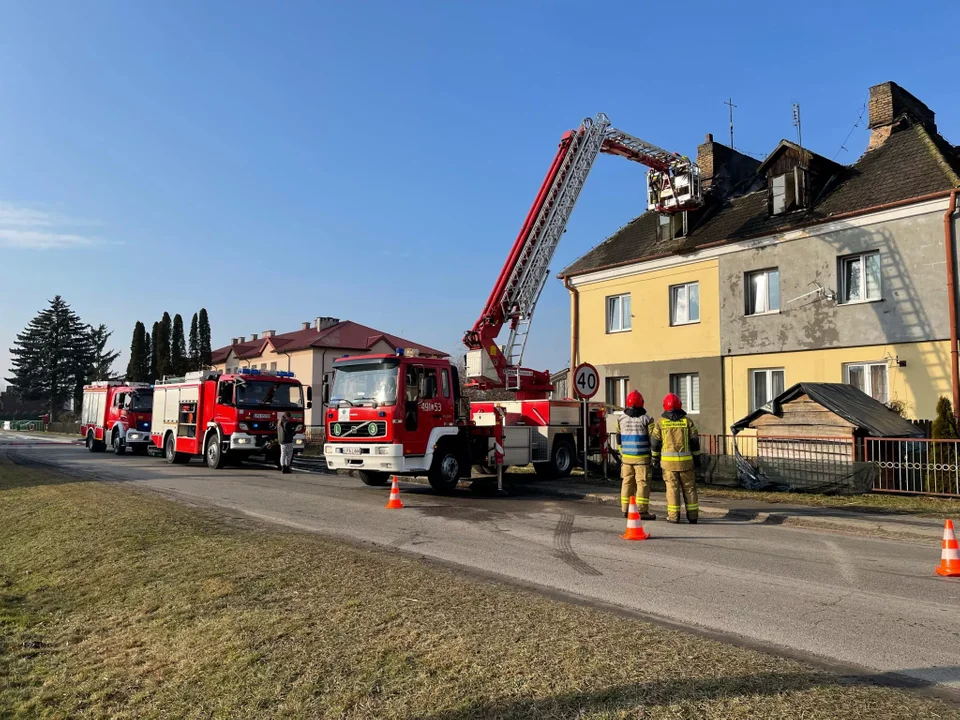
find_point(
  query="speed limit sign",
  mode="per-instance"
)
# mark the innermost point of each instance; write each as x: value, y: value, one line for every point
x: 586, y: 380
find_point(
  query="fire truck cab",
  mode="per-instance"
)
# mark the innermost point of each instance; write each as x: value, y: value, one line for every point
x: 118, y: 414
x: 224, y: 417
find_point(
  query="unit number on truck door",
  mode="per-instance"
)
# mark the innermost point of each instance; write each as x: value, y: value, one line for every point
x: 431, y: 406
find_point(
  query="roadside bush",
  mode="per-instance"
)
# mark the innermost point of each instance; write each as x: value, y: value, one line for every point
x: 941, y: 476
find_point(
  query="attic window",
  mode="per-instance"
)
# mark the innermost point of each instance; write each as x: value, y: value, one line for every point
x: 789, y: 191
x: 671, y: 225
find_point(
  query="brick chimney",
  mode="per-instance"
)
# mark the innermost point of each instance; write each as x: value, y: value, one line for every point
x: 233, y: 341
x: 242, y: 339
x: 253, y: 336
x: 269, y: 333
x: 722, y: 167
x: 888, y: 103
x: 305, y: 326
x: 322, y: 323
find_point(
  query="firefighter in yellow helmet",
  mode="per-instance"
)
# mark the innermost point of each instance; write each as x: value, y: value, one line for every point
x: 675, y: 444
x: 633, y: 428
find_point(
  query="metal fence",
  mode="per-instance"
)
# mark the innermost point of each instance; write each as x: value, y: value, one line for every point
x: 930, y: 467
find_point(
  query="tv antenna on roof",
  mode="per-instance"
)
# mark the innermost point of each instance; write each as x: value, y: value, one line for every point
x: 730, y: 104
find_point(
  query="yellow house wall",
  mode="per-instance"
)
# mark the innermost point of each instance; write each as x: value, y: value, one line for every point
x: 651, y: 337
x: 919, y: 384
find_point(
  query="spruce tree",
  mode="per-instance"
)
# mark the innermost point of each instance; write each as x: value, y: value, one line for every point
x: 138, y: 369
x: 103, y: 359
x: 178, y: 348
x: 154, y: 339
x: 203, y: 332
x: 194, y: 348
x: 943, y: 454
x: 52, y: 357
x: 164, y: 367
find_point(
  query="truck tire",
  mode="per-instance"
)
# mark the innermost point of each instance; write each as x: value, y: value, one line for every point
x: 373, y: 479
x: 170, y: 454
x: 561, y: 461
x: 117, y: 443
x: 214, y: 454
x: 445, y: 470
x: 89, y: 442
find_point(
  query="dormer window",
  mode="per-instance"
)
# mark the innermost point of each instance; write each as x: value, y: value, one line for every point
x: 789, y: 191
x: 671, y: 225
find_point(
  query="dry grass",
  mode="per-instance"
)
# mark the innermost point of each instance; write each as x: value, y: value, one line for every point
x: 118, y: 603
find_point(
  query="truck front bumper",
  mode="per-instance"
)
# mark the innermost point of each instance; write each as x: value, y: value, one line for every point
x: 257, y: 443
x: 135, y: 437
x: 379, y: 457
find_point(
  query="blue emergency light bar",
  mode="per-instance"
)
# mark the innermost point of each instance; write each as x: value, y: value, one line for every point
x: 400, y: 352
x: 284, y: 373
x: 249, y: 371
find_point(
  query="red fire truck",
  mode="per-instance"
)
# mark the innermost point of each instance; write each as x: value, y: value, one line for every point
x: 402, y: 415
x: 224, y: 417
x: 117, y: 413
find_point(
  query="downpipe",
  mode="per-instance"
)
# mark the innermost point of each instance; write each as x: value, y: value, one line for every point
x: 952, y: 295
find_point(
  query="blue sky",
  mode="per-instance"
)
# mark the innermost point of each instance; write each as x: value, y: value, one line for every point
x: 373, y: 161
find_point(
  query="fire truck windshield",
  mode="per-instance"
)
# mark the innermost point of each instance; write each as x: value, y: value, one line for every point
x: 141, y: 401
x: 263, y: 393
x: 374, y: 383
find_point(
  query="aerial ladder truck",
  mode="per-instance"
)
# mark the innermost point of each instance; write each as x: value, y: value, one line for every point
x: 401, y: 414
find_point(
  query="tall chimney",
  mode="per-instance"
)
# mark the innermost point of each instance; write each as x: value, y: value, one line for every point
x: 305, y: 326
x: 722, y: 168
x: 888, y: 103
x: 242, y: 339
x: 322, y: 323
x: 233, y: 341
x: 269, y: 333
x: 253, y: 336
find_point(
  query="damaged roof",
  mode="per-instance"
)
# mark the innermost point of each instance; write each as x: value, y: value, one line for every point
x: 911, y: 163
x: 853, y: 405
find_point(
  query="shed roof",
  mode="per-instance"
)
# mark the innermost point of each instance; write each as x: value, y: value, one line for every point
x: 848, y: 402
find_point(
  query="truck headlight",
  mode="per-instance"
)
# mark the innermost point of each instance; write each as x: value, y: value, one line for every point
x: 243, y: 441
x: 383, y: 451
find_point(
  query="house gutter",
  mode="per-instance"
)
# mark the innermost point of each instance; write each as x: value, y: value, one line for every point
x: 820, y: 221
x: 952, y: 299
x: 574, y: 325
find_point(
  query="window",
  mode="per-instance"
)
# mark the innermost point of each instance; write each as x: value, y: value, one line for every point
x: 788, y: 191
x: 445, y: 382
x: 618, y: 313
x: 616, y: 391
x: 263, y: 366
x: 763, y: 292
x: 870, y: 378
x: 687, y: 387
x: 765, y: 385
x: 671, y: 225
x: 685, y: 304
x: 273, y: 367
x: 860, y: 277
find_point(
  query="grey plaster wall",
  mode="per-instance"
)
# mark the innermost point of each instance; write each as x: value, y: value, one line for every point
x: 913, y: 286
x: 652, y: 379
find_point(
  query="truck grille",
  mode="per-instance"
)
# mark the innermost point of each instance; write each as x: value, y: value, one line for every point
x: 358, y: 429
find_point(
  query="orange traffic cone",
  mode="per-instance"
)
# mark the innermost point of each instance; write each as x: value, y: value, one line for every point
x: 394, y: 503
x: 950, y: 556
x: 635, y: 529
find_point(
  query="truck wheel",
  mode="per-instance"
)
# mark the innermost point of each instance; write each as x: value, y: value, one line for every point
x: 214, y: 453
x: 170, y: 453
x: 117, y: 442
x: 373, y: 479
x: 445, y: 472
x: 561, y: 461
x: 89, y: 442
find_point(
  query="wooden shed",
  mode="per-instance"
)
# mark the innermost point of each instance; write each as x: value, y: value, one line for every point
x: 807, y: 439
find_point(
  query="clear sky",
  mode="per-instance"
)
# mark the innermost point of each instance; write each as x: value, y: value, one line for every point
x: 373, y: 161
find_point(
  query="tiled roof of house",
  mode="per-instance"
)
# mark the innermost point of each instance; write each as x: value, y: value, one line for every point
x: 347, y: 335
x: 911, y: 163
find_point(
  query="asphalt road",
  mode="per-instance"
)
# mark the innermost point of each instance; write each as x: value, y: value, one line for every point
x: 862, y: 601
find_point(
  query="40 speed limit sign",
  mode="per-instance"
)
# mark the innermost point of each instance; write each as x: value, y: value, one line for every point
x: 586, y: 380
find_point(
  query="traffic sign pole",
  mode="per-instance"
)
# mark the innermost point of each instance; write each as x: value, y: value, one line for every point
x: 586, y: 382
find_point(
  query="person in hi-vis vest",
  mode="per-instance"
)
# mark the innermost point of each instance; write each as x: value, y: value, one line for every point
x: 675, y: 444
x: 633, y: 428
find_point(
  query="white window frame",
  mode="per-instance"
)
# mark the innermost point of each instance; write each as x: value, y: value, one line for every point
x: 619, y: 319
x: 868, y: 370
x: 692, y: 405
x: 674, y: 289
x: 768, y: 300
x: 845, y: 291
x: 621, y: 386
x: 768, y: 373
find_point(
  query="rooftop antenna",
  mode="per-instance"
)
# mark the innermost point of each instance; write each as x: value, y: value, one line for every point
x: 730, y: 104
x: 796, y: 124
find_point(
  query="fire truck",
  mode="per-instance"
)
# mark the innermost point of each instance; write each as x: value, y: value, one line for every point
x: 402, y: 414
x: 117, y: 413
x: 226, y: 417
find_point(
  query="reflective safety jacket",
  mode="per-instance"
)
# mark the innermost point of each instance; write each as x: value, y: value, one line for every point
x: 635, y: 438
x: 674, y: 441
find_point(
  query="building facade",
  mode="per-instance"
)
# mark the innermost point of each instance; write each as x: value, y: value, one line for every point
x: 796, y: 269
x: 309, y: 353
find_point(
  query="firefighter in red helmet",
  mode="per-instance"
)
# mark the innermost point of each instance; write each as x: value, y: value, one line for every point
x: 634, y: 440
x: 675, y: 444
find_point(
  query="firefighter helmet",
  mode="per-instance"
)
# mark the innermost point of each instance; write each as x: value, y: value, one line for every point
x: 672, y: 402
x: 634, y: 399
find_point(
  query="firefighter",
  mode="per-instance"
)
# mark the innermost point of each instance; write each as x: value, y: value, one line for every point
x: 674, y: 443
x: 634, y: 441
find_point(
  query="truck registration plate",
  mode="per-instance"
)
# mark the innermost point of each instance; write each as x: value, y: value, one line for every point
x: 351, y: 451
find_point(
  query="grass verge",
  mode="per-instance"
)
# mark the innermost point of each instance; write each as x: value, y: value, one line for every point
x: 118, y: 603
